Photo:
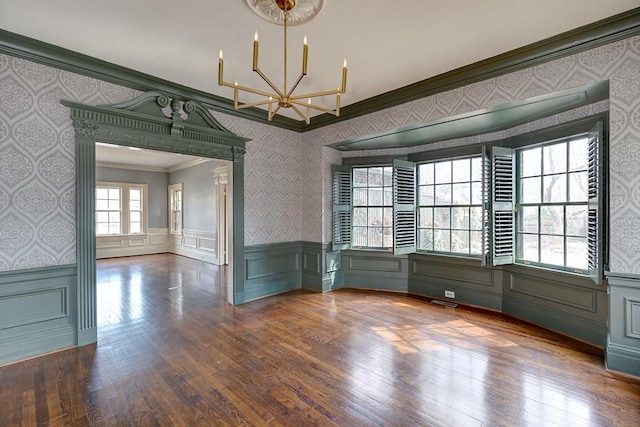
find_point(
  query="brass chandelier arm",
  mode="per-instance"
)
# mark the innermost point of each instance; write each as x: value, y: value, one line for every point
x: 295, y: 85
x: 269, y: 82
x: 315, y: 107
x: 317, y: 94
x: 249, y: 89
x: 257, y: 103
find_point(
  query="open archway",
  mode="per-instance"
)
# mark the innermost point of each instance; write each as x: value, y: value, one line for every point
x: 155, y: 121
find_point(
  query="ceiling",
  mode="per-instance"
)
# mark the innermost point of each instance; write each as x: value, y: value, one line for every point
x: 111, y: 155
x: 388, y: 44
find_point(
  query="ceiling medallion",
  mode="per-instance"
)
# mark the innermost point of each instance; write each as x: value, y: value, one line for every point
x: 304, y: 11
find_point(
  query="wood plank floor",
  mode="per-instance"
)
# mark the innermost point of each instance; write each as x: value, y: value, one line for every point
x: 172, y: 352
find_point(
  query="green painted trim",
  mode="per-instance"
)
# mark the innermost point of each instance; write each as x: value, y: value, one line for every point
x: 15, y: 276
x: 271, y: 269
x: 612, y: 275
x: 621, y: 358
x: 617, y: 27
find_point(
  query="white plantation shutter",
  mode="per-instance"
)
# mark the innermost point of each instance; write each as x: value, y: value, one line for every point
x: 404, y: 207
x: 341, y: 213
x: 594, y: 189
x: 503, y: 160
x: 486, y: 224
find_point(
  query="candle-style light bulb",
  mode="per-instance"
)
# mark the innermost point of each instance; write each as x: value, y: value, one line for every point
x: 305, y: 53
x: 344, y: 64
x: 343, y: 89
x: 255, y: 37
x: 255, y: 51
x: 305, y: 40
x: 220, y: 54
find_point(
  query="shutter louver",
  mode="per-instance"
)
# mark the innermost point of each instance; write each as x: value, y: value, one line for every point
x: 341, y: 207
x: 594, y: 219
x: 404, y: 207
x: 503, y: 160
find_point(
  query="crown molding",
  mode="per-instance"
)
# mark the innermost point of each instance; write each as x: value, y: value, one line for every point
x: 608, y: 30
x: 128, y: 166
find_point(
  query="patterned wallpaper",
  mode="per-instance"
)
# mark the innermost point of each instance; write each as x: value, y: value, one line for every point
x: 617, y: 62
x: 37, y: 169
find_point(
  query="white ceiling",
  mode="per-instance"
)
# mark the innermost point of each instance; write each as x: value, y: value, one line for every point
x: 137, y: 158
x: 388, y: 44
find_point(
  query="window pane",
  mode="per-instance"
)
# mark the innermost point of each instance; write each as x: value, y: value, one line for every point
x: 388, y: 196
x: 426, y: 217
x: 554, y: 158
x: 114, y: 228
x: 528, y: 219
x: 134, y: 216
x: 460, y: 218
x: 387, y: 237
x: 134, y: 227
x: 552, y: 219
x: 360, y: 197
x: 554, y: 188
x: 578, y: 187
x: 425, y: 174
x: 114, y: 217
x: 476, y: 193
x: 460, y: 241
x: 375, y: 196
x: 443, y: 172
x: 375, y: 217
x: 102, y: 205
x: 134, y: 194
x: 461, y: 170
x: 134, y: 205
x: 359, y: 177
x: 375, y: 236
x: 552, y: 250
x: 102, y: 228
x: 528, y: 247
x: 426, y: 195
x: 102, y: 216
x: 577, y: 253
x: 425, y: 240
x: 475, y: 244
x: 442, y: 218
x: 461, y: 194
x: 388, y: 217
x: 577, y: 221
x: 476, y: 169
x: 359, y: 217
x: 578, y: 154
x: 388, y: 177
x: 114, y: 193
x: 530, y: 162
x: 359, y: 236
x: 530, y: 190
x: 114, y: 205
x: 475, y: 219
x: 102, y: 193
x: 443, y: 194
x: 442, y: 240
x: 375, y: 177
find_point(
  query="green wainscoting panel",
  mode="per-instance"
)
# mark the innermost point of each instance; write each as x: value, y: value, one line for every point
x: 320, y: 267
x: 375, y: 270
x: 473, y: 284
x: 570, y: 304
x: 37, y: 311
x: 271, y: 269
x: 623, y: 341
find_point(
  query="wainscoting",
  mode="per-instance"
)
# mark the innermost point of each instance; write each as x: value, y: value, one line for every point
x: 37, y: 311
x: 155, y: 241
x: 623, y: 341
x: 195, y: 244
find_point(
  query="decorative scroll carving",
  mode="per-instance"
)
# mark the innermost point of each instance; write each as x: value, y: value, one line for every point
x: 193, y: 108
x: 238, y: 153
x: 85, y: 128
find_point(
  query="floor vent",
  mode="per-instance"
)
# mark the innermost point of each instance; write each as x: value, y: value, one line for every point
x: 445, y: 303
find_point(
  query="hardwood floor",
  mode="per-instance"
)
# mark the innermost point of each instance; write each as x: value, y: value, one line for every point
x: 172, y: 352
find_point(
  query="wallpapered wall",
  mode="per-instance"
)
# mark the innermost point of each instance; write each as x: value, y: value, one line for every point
x: 618, y: 62
x: 37, y: 170
x: 287, y: 175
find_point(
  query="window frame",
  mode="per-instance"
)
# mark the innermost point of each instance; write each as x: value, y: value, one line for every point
x: 172, y: 190
x: 125, y: 213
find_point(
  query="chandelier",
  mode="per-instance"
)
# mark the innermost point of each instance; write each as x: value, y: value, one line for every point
x: 284, y: 97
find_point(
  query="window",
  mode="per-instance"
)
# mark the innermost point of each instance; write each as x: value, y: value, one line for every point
x: 120, y: 208
x: 108, y: 210
x: 539, y: 203
x: 175, y: 208
x: 450, y: 213
x: 552, y: 204
x: 372, y: 207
